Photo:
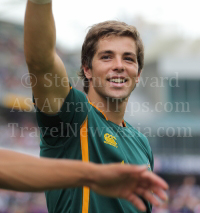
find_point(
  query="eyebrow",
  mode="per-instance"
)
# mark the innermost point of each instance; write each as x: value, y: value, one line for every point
x: 130, y: 53
x: 105, y: 52
x: 111, y: 52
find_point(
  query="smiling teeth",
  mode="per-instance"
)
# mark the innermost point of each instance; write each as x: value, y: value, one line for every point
x: 117, y: 80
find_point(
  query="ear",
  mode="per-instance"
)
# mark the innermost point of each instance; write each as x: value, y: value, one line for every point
x: 138, y: 77
x: 87, y: 72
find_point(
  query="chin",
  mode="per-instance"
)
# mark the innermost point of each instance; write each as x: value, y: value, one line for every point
x: 118, y: 96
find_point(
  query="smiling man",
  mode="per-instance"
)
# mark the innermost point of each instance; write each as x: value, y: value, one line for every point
x: 89, y: 128
x: 114, y: 64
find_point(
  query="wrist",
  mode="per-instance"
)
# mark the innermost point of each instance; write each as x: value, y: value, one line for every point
x: 89, y: 174
x: 41, y: 1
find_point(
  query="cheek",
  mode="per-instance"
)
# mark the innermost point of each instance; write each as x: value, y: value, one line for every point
x: 100, y: 71
x: 133, y: 72
x: 97, y: 73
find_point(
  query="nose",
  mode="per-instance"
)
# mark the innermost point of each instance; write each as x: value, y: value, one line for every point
x: 118, y: 65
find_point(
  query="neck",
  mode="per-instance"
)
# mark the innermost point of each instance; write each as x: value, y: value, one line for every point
x: 114, y: 109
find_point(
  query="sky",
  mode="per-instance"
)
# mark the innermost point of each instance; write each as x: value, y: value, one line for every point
x: 73, y: 18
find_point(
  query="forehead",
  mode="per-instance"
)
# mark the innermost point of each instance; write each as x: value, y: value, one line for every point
x: 117, y: 44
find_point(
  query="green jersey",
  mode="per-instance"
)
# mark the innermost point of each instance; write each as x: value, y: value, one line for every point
x: 81, y: 131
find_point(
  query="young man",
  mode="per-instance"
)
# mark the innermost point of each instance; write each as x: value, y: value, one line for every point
x: 90, y: 128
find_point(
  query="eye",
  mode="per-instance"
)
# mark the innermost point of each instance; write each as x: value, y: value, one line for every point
x: 129, y: 59
x: 105, y: 57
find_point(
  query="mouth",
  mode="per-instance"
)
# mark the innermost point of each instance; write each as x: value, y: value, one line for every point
x: 117, y: 80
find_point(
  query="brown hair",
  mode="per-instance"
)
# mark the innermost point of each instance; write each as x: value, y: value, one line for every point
x: 106, y: 29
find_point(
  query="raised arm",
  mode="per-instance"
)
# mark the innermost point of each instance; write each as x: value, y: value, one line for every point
x: 26, y: 173
x: 45, y: 67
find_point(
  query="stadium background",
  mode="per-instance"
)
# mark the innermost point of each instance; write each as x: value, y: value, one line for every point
x: 165, y: 107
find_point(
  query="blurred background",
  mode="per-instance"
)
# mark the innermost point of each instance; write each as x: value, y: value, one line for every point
x: 165, y: 106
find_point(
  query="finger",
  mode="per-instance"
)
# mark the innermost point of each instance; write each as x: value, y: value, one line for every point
x: 133, y: 169
x: 160, y: 193
x: 148, y: 195
x: 154, y: 180
x: 137, y: 202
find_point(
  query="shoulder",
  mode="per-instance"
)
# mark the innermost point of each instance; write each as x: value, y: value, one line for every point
x: 144, y: 142
x: 76, y: 101
x: 75, y: 93
x: 141, y: 137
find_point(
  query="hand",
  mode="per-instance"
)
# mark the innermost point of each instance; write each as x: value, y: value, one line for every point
x: 129, y: 182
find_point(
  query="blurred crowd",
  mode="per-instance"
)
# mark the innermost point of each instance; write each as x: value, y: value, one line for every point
x: 14, y: 136
x: 19, y: 132
x: 12, y: 62
x: 18, y: 202
x: 184, y: 198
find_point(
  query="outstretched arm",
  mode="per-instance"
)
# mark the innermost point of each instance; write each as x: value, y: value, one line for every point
x: 43, y: 62
x: 27, y: 173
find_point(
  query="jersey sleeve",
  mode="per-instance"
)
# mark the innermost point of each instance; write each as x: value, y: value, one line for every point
x: 56, y: 129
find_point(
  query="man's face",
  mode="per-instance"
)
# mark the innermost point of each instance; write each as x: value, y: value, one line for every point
x: 114, y: 72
